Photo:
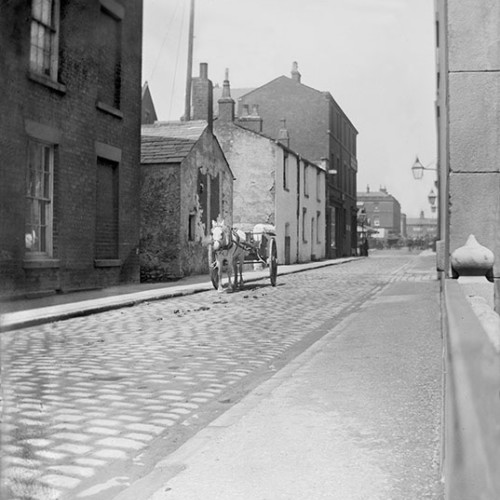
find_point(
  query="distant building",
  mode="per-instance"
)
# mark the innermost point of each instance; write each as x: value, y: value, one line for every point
x: 383, y: 211
x: 148, y: 112
x: 404, y: 232
x: 319, y: 131
x: 70, y: 144
x: 273, y: 185
x: 421, y: 228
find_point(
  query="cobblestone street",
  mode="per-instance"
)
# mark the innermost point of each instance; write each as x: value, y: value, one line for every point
x: 92, y: 403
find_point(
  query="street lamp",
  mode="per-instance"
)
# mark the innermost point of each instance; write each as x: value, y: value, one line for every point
x: 418, y: 169
x: 432, y: 198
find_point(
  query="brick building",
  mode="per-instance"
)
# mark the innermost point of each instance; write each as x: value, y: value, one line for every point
x: 273, y: 185
x: 185, y: 184
x: 70, y: 143
x: 319, y: 131
x: 383, y: 212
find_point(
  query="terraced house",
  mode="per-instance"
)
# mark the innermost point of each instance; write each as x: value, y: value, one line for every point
x: 69, y: 190
x: 319, y: 131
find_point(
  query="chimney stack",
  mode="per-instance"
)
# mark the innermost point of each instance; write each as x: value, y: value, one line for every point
x: 203, y: 97
x: 295, y: 72
x: 226, y: 102
x: 251, y: 121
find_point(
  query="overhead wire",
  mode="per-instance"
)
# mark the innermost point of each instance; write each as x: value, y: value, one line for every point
x: 177, y: 60
x: 167, y: 33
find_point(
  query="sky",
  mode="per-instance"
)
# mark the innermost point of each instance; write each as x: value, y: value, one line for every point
x: 376, y: 58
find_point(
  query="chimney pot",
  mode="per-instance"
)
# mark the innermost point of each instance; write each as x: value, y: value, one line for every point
x: 295, y: 72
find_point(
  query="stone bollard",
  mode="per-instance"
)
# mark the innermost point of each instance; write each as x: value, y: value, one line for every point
x: 472, y: 264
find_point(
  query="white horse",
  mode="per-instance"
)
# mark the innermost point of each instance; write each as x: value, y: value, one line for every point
x: 228, y: 247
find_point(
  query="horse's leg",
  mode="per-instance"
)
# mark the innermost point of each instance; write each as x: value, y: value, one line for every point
x: 240, y: 266
x: 235, y: 271
x: 219, y: 272
x: 242, y: 261
x: 229, y: 273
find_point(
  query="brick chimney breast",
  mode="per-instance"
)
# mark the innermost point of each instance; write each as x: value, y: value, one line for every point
x: 203, y: 97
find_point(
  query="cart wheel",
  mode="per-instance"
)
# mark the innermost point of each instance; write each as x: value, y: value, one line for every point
x: 273, y: 261
x: 214, y: 276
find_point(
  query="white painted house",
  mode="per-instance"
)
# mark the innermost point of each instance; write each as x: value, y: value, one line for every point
x: 273, y: 185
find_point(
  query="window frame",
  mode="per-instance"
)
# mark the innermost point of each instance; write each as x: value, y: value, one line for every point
x: 115, y: 12
x: 286, y: 172
x: 318, y: 226
x: 304, y: 224
x: 306, y: 179
x: 49, y: 33
x: 46, y: 201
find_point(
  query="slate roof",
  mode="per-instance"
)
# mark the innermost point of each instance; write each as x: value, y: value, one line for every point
x: 180, y: 130
x: 169, y: 142
x: 164, y: 149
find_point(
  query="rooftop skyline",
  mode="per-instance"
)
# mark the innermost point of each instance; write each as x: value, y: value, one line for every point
x: 376, y: 58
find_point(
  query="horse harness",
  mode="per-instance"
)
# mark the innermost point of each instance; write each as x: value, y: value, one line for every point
x: 233, y: 239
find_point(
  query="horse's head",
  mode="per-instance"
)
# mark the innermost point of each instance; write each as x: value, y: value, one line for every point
x: 220, y: 235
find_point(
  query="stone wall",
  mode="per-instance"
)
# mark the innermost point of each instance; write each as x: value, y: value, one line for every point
x: 469, y: 124
x: 178, y: 203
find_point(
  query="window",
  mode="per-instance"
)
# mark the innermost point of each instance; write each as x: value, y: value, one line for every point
x: 318, y: 185
x: 304, y: 216
x: 192, y: 227
x: 106, y: 237
x: 39, y: 200
x: 306, y: 184
x: 44, y: 37
x: 110, y: 39
x: 318, y: 227
x: 285, y: 171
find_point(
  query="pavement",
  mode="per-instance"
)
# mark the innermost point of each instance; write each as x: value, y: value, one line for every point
x: 356, y: 416
x: 22, y: 313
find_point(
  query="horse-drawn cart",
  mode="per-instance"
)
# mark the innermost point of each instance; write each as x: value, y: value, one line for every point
x: 235, y: 248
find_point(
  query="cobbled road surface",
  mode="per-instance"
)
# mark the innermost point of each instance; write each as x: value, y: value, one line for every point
x: 91, y: 404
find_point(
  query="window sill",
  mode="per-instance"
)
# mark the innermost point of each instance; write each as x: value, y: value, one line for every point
x: 106, y: 108
x: 107, y: 262
x: 40, y: 263
x: 47, y: 82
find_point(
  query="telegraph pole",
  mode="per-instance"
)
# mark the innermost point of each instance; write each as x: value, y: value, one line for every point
x: 187, y: 105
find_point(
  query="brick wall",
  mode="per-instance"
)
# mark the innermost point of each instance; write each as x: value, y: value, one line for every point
x: 66, y: 110
x: 305, y: 111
